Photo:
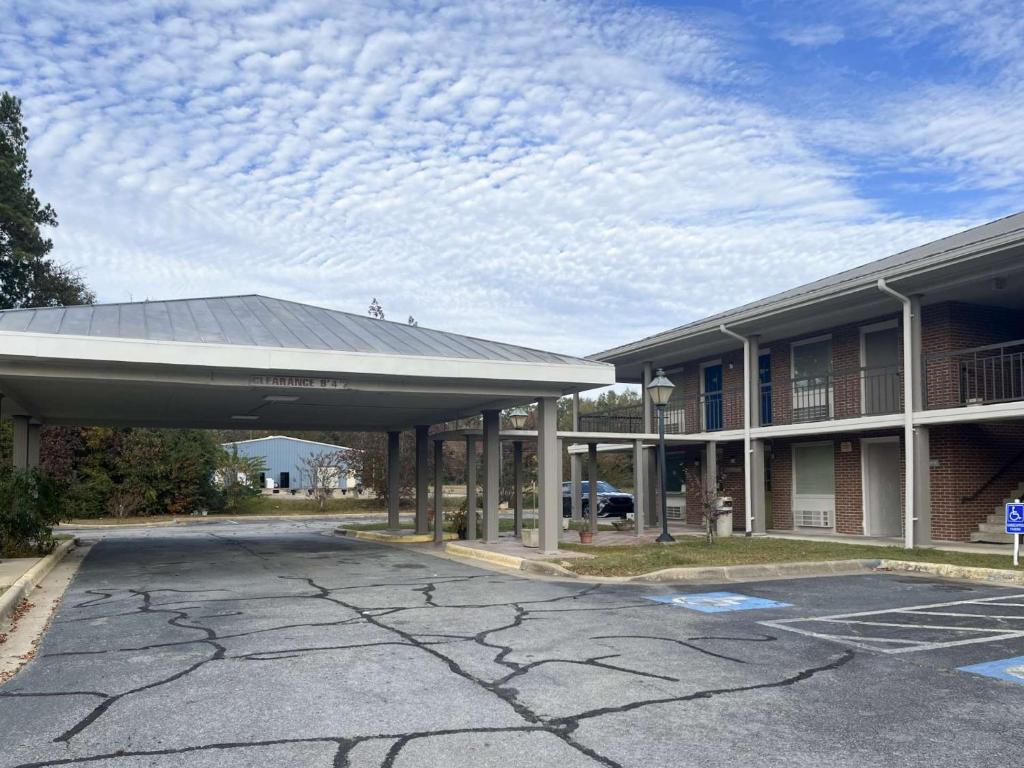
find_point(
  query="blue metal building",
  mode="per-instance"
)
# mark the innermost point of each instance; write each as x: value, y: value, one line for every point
x: 283, y: 459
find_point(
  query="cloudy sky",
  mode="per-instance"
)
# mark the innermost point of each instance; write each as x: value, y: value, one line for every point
x: 567, y: 175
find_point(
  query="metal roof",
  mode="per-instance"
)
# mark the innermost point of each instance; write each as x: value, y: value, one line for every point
x: 891, y: 267
x: 261, y: 321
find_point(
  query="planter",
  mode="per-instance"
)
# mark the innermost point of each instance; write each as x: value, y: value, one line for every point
x: 724, y: 525
x: 586, y: 537
x: 531, y: 537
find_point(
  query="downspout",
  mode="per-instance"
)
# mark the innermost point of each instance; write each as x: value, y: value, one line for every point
x: 748, y: 481
x: 908, y: 411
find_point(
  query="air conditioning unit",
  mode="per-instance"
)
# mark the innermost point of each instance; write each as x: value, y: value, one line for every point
x: 816, y: 518
x: 674, y: 512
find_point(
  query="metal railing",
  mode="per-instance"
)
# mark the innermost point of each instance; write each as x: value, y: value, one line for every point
x: 840, y: 395
x: 629, y: 419
x: 975, y: 376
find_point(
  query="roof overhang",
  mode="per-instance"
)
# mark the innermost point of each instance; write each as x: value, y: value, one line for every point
x: 89, y: 380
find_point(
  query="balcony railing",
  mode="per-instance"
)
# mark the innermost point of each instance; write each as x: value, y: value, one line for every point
x: 842, y: 394
x: 975, y: 376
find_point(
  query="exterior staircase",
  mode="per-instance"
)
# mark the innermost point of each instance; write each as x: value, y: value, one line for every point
x: 993, y: 530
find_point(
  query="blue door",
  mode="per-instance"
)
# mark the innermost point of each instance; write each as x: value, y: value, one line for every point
x: 764, y: 376
x: 713, y: 397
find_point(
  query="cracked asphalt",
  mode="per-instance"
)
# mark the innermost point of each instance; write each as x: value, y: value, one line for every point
x: 277, y: 644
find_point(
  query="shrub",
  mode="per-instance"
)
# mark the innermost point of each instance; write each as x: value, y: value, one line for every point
x: 30, y: 505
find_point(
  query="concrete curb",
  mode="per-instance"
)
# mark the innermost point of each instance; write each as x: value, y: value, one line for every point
x: 385, y: 537
x: 200, y: 519
x: 508, y: 561
x: 757, y: 572
x: 13, y: 596
x: 946, y: 571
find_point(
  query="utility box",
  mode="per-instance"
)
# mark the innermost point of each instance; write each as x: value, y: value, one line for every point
x: 723, y: 523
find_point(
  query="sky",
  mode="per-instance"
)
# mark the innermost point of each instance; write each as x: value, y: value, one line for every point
x: 565, y: 175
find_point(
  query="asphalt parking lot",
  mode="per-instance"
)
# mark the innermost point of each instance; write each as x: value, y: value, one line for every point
x: 277, y: 644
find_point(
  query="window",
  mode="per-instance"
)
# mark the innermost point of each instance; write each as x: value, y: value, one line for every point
x: 814, y: 485
x: 812, y: 380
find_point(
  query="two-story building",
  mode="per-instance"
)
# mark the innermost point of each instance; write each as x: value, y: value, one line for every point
x: 886, y: 400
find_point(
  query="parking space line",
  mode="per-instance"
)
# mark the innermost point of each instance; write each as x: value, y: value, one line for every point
x: 908, y: 644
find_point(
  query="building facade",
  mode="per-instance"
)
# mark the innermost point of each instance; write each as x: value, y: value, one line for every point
x: 285, y: 461
x: 828, y: 407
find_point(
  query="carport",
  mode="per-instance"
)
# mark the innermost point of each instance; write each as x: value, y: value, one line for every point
x: 258, y: 362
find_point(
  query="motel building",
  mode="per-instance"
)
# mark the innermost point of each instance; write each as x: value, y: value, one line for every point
x: 885, y: 401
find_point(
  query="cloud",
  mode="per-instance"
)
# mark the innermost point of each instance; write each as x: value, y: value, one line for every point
x: 565, y: 175
x: 811, y: 36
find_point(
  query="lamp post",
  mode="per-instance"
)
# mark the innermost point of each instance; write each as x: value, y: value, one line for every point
x: 660, y: 390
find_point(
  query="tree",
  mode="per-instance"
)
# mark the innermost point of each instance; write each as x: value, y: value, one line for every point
x: 322, y: 473
x: 240, y: 476
x: 376, y: 310
x: 27, y: 277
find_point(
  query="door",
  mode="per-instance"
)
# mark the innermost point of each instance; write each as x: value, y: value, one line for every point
x: 814, y: 485
x: 764, y: 377
x: 285, y: 480
x: 880, y: 374
x: 812, y: 380
x: 711, y: 387
x: 881, y: 478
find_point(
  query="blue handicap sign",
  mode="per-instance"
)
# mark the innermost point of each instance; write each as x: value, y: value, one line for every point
x: 716, y: 602
x: 1015, y: 518
x: 1011, y: 670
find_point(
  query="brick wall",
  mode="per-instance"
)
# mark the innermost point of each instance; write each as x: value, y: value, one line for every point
x: 967, y: 455
x: 952, y: 326
x: 782, y: 485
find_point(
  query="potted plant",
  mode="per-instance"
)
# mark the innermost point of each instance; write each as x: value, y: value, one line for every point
x: 582, y: 527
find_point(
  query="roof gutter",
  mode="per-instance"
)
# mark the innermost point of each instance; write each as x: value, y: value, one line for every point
x: 748, y: 482
x: 909, y: 470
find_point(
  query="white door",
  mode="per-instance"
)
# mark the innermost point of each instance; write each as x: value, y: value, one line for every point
x: 880, y: 375
x: 881, y: 478
x: 814, y: 486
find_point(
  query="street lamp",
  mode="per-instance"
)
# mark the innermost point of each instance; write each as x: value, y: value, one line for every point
x: 660, y: 390
x: 517, y: 418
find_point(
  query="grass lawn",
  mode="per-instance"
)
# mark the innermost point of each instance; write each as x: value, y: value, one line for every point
x: 692, y: 551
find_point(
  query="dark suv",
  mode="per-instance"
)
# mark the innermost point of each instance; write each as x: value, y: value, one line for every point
x: 611, y: 502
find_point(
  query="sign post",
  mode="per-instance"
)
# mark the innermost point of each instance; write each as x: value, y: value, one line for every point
x: 1015, y: 526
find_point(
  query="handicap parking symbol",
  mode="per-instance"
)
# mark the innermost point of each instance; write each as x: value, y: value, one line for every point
x: 1015, y: 518
x: 1011, y: 670
x: 716, y: 602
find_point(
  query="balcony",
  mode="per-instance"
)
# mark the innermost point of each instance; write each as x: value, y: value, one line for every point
x: 975, y: 376
x: 836, y: 395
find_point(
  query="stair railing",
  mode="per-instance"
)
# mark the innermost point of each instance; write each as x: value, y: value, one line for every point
x: 998, y: 475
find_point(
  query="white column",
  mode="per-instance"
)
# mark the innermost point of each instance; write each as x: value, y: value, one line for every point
x: 394, y: 471
x: 438, y: 491
x: 549, y: 479
x: 33, y: 445
x: 576, y: 481
x: 492, y: 474
x: 592, y: 484
x: 650, y: 459
x: 470, y: 475
x: 19, y: 451
x: 422, y: 477
x: 757, y: 482
x: 517, y: 485
x: 639, y: 486
x: 711, y: 466
x: 921, y: 453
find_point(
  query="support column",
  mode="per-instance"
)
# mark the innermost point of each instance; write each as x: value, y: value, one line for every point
x: 492, y: 474
x: 650, y: 460
x: 576, y: 479
x: 517, y: 485
x: 592, y: 484
x: 438, y: 491
x: 471, y: 534
x: 639, y: 486
x: 923, y: 485
x: 711, y: 465
x: 33, y: 445
x: 549, y: 479
x: 921, y: 454
x: 394, y: 471
x: 422, y: 477
x: 757, y: 482
x: 19, y: 451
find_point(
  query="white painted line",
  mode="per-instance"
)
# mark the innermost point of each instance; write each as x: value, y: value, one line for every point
x: 919, y: 626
